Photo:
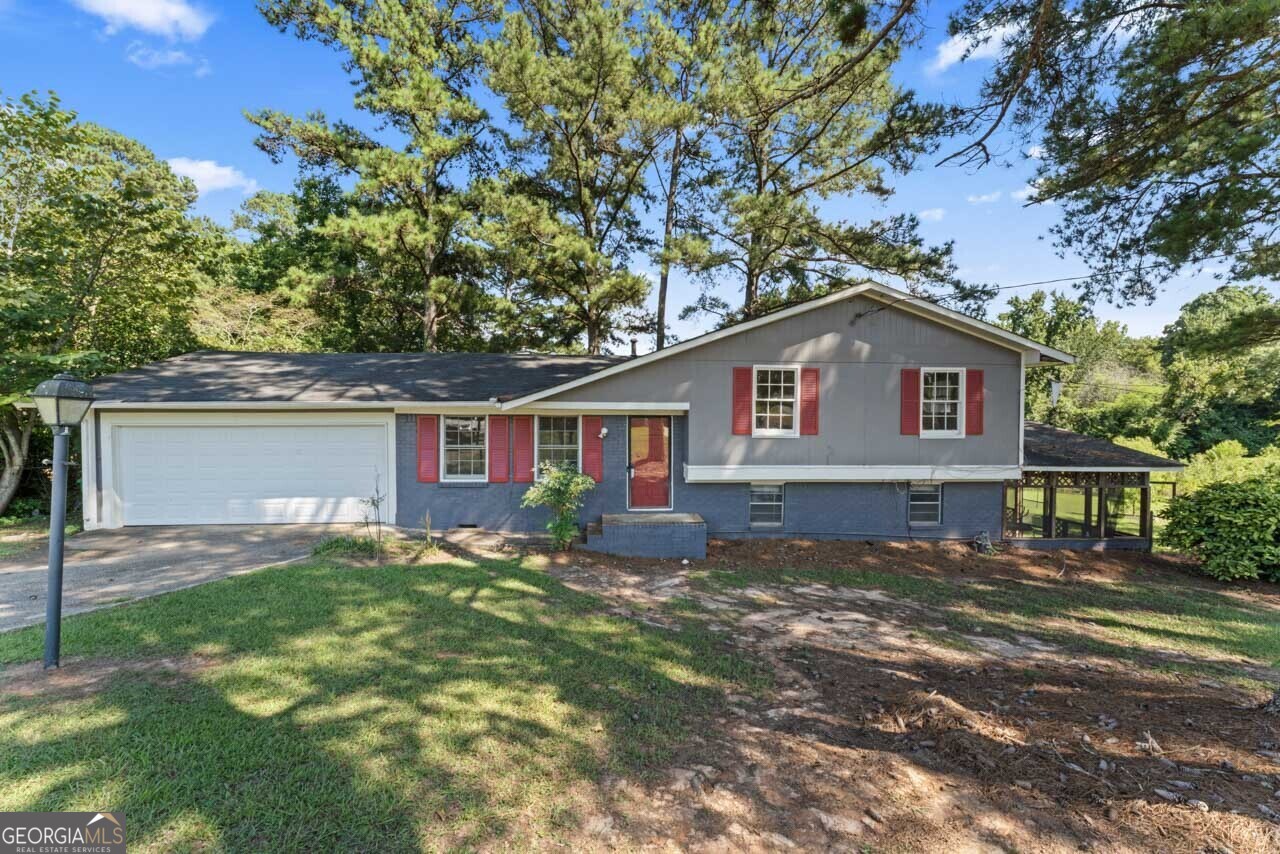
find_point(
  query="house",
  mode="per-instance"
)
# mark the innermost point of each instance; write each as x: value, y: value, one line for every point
x: 863, y: 414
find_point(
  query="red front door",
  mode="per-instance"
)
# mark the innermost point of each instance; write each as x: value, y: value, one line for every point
x: 650, y: 469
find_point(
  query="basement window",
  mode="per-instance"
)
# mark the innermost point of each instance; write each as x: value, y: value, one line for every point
x: 925, y: 506
x: 766, y: 505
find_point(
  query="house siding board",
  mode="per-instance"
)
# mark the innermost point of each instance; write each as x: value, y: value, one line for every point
x: 860, y: 358
x: 818, y: 510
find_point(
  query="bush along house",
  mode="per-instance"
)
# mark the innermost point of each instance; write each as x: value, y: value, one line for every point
x: 864, y: 414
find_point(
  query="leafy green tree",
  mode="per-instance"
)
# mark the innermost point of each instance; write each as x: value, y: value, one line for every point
x: 1158, y: 124
x: 1219, y: 396
x: 1113, y: 385
x: 416, y: 65
x: 566, y: 215
x: 100, y: 262
x: 808, y: 111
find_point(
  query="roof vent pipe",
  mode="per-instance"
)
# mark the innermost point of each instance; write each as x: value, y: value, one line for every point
x: 633, y: 348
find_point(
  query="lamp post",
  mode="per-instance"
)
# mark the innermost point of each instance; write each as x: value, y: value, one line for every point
x: 62, y: 403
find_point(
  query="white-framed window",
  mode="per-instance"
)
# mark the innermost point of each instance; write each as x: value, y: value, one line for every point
x: 925, y: 504
x: 941, y: 403
x: 558, y: 441
x: 463, y: 448
x: 774, y: 401
x: 765, y: 508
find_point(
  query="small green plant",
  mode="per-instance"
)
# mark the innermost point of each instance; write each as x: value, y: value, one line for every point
x: 561, y: 488
x: 373, y: 514
x: 1233, y: 528
x: 346, y: 545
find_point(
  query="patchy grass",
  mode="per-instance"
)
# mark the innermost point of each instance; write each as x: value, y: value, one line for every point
x: 1125, y: 619
x: 455, y: 705
x: 20, y: 536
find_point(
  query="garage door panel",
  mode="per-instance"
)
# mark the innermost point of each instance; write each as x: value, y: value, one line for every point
x: 215, y: 474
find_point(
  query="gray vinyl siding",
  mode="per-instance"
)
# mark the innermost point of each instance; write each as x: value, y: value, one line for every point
x: 861, y: 347
x: 819, y: 510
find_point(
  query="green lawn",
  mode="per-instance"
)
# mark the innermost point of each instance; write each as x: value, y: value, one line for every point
x: 358, y: 708
x: 1127, y: 620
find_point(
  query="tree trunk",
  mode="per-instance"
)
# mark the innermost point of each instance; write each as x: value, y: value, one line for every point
x: 430, y: 323
x: 752, y: 290
x: 16, y: 428
x: 668, y: 231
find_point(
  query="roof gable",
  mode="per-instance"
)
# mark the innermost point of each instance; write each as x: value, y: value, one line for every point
x: 1032, y: 351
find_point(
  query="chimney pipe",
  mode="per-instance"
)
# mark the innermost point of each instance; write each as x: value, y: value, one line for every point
x: 633, y: 348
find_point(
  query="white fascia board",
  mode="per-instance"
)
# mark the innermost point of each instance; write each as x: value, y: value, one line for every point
x: 1122, y: 469
x: 292, y: 405
x: 551, y: 407
x: 868, y: 474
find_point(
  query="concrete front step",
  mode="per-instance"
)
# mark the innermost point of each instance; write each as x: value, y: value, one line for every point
x: 659, y: 535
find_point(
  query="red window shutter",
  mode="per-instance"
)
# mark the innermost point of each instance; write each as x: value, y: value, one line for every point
x: 911, y: 401
x: 592, y: 447
x: 499, y: 446
x: 809, y: 401
x: 428, y: 449
x: 742, y: 401
x: 522, y: 448
x: 975, y: 394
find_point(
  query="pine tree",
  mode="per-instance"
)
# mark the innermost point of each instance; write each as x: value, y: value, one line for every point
x: 415, y: 64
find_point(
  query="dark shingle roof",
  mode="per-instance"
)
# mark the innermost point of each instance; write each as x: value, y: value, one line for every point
x: 1048, y: 447
x: 216, y: 376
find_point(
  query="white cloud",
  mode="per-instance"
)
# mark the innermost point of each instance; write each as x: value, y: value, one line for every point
x: 211, y: 176
x: 173, y: 19
x: 1026, y: 192
x: 958, y: 48
x: 150, y: 58
x: 932, y: 214
x: 984, y: 199
x: 1036, y: 152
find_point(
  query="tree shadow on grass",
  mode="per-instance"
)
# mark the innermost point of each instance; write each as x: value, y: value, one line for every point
x: 387, y: 708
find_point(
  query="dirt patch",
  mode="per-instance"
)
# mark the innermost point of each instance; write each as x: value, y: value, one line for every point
x: 888, y: 731
x: 81, y: 677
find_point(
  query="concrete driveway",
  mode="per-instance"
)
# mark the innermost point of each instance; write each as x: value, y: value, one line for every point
x: 104, y: 568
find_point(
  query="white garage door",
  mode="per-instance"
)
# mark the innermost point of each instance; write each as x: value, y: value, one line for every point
x: 238, y: 474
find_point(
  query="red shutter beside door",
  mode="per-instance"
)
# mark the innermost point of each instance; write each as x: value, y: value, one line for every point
x: 499, y: 448
x: 428, y: 450
x: 910, y: 416
x: 975, y: 395
x: 809, y: 401
x: 592, y: 447
x: 742, y: 401
x: 522, y: 448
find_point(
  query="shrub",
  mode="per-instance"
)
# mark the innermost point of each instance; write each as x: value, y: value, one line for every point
x: 1232, y: 527
x: 562, y: 489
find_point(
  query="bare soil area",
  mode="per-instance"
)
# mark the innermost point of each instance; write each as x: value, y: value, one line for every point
x: 890, y: 729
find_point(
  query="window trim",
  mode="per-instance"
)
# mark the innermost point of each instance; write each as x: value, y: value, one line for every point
x: 537, y: 447
x: 957, y: 433
x: 782, y: 505
x: 444, y: 468
x: 911, y: 487
x: 765, y: 433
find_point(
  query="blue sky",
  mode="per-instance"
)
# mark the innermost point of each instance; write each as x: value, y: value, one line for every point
x: 178, y: 75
